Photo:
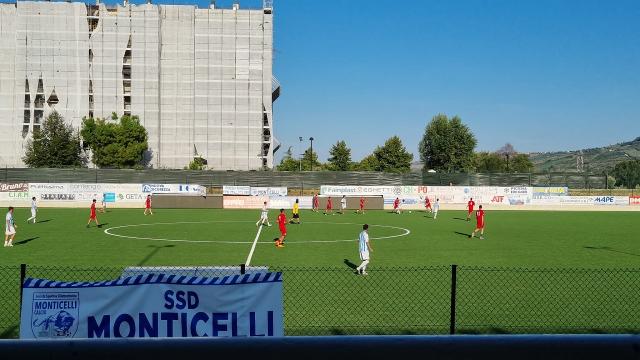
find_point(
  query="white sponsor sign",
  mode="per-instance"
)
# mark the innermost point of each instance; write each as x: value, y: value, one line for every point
x: 387, y: 191
x: 582, y: 200
x: 286, y: 202
x: 268, y: 191
x: 236, y: 190
x: 176, y: 189
x: 154, y: 306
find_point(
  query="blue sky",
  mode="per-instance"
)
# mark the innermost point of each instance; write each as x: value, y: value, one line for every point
x: 542, y: 74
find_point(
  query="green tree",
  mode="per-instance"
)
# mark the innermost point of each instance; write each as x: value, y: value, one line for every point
x: 55, y: 145
x: 118, y: 144
x: 369, y: 163
x: 489, y: 162
x: 309, y: 158
x: 288, y: 163
x: 627, y: 174
x: 198, y: 163
x: 521, y: 163
x: 393, y: 157
x: 340, y: 159
x: 447, y: 145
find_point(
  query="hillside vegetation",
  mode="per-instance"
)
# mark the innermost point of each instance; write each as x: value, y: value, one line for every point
x: 596, y: 160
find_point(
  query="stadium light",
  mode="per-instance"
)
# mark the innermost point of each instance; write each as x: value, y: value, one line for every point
x: 311, y: 155
x: 300, y: 161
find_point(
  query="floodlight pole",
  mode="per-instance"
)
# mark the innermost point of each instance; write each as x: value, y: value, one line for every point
x: 300, y: 161
x: 311, y: 155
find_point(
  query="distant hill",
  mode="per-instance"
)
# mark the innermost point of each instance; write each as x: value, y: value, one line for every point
x: 596, y: 160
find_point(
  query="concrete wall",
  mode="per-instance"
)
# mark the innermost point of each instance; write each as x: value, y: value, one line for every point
x: 187, y: 202
x: 200, y: 79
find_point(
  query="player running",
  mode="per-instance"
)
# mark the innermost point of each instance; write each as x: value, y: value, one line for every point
x: 470, y: 206
x: 361, y: 210
x: 34, y: 210
x: 316, y: 203
x: 427, y: 204
x: 10, y: 228
x: 396, y: 206
x: 92, y: 215
x: 329, y: 209
x: 282, y: 224
x: 479, y: 223
x: 364, y: 248
x: 343, y: 204
x: 264, y: 215
x: 296, y: 213
x: 436, y: 208
x: 147, y: 206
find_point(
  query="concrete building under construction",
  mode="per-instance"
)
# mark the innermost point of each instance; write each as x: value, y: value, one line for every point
x: 200, y: 79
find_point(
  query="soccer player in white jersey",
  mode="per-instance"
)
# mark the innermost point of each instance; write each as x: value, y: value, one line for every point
x: 436, y: 207
x: 364, y: 248
x: 264, y: 216
x: 10, y: 228
x: 34, y: 210
x: 343, y: 204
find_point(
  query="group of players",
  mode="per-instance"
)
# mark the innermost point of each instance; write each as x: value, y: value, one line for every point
x: 11, y: 227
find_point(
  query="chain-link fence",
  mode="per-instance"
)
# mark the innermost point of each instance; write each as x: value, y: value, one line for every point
x: 415, y: 300
x: 299, y: 180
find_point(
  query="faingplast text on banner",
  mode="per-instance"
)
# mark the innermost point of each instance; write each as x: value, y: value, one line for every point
x: 154, y: 306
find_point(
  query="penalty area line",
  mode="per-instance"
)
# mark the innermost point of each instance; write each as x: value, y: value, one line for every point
x: 253, y: 247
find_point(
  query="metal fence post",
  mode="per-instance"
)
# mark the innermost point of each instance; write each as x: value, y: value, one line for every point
x: 243, y: 269
x: 454, y: 280
x: 23, y: 275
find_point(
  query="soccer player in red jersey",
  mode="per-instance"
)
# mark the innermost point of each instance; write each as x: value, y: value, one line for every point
x: 282, y: 224
x: 316, y: 203
x: 329, y: 206
x: 470, y: 205
x: 147, y: 206
x: 479, y: 223
x: 92, y: 214
x: 396, y: 206
x: 427, y: 204
x: 361, y: 210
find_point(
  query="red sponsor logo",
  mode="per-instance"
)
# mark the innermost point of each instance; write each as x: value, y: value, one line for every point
x: 497, y: 199
x: 634, y: 200
x: 422, y: 189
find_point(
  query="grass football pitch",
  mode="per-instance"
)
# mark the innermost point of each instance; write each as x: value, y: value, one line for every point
x: 529, y: 274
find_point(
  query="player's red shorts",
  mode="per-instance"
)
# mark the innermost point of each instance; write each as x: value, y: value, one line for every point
x: 283, y: 230
x: 480, y: 225
x: 92, y: 216
x: 470, y: 210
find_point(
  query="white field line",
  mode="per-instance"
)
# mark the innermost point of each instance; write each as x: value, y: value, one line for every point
x: 253, y: 247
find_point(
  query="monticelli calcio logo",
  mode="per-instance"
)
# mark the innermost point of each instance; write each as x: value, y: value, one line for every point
x: 55, y: 314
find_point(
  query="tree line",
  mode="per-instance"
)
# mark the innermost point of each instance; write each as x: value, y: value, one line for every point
x: 447, y: 145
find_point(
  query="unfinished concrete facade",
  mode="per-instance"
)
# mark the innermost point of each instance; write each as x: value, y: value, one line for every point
x: 199, y: 79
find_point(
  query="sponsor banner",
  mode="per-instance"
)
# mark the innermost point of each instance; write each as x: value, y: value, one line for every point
x: 154, y: 306
x: 109, y: 197
x: 268, y: 191
x: 634, y: 200
x: 177, y: 189
x: 540, y: 192
x: 236, y: 190
x: 243, y: 202
x: 582, y: 200
x: 286, y: 202
x: 386, y: 191
x: 47, y: 188
x: 14, y: 187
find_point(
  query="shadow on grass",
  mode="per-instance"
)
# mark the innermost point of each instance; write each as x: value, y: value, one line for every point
x: 350, y: 264
x: 43, y: 221
x: 10, y: 333
x: 458, y: 218
x: 153, y: 253
x: 462, y: 234
x: 607, y: 248
x: 22, y: 242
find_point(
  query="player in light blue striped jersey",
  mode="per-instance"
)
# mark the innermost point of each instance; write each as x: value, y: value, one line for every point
x: 364, y: 248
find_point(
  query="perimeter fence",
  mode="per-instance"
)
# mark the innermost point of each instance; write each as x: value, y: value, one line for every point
x: 414, y: 300
x: 300, y: 180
